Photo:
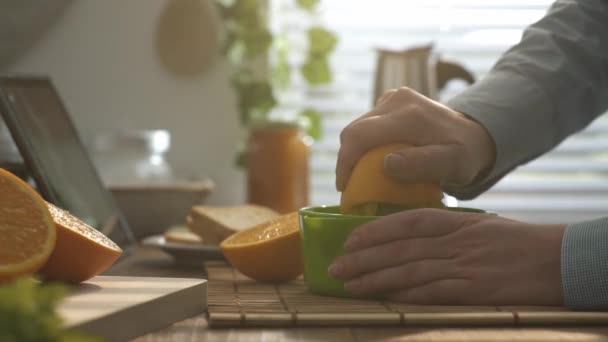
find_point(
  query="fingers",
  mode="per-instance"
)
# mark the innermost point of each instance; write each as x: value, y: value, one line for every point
x: 432, y: 163
x: 439, y: 292
x: 402, y: 277
x: 364, y: 134
x: 409, y: 224
x: 387, y: 95
x: 387, y: 255
x: 379, y: 127
x: 380, y: 109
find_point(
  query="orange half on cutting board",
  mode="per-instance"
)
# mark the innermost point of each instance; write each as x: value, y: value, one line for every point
x: 369, y: 188
x: 268, y: 252
x: 81, y: 251
x: 27, y: 231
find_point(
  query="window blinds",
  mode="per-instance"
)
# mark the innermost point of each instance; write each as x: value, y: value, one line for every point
x: 566, y: 185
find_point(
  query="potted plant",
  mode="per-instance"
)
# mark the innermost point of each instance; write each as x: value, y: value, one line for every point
x: 276, y: 150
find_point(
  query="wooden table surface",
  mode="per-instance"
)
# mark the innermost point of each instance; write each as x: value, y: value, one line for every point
x: 148, y: 262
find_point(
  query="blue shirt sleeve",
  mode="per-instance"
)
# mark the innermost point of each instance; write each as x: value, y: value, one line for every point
x: 549, y: 86
x: 585, y: 265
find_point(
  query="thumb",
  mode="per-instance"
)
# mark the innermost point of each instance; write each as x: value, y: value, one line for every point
x: 387, y: 95
x: 442, y: 164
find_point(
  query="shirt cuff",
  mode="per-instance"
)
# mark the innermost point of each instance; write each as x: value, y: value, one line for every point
x: 584, y: 265
x: 514, y: 110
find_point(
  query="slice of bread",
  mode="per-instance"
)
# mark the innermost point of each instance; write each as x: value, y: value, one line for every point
x: 215, y: 223
x: 181, y: 234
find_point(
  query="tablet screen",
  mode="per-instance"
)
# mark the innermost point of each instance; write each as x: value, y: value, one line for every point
x: 56, y: 157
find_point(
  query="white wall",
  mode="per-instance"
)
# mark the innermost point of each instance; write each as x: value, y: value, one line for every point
x: 101, y: 56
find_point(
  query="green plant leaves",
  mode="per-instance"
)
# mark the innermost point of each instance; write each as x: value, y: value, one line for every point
x: 281, y: 72
x: 307, y: 4
x: 316, y: 69
x: 256, y: 42
x: 249, y: 40
x: 255, y: 99
x: 310, y: 120
x: 27, y: 312
x: 321, y: 41
x: 246, y: 28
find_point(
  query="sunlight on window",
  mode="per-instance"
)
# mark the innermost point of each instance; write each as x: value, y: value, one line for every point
x: 470, y: 32
x: 492, y: 37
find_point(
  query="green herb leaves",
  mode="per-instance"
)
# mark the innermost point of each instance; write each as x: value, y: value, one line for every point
x: 27, y: 312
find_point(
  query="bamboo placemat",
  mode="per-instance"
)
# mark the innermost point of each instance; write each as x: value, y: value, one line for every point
x: 235, y: 300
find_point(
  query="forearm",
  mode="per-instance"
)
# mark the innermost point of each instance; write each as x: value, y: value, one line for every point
x: 550, y: 85
x: 585, y: 265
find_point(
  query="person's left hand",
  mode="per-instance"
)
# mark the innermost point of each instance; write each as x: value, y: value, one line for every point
x: 434, y: 256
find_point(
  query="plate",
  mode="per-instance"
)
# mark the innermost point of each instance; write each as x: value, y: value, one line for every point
x: 187, y: 253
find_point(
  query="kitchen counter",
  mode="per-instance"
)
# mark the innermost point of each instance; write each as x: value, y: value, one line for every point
x: 149, y: 262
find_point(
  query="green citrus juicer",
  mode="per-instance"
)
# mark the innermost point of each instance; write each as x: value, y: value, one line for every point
x: 324, y: 230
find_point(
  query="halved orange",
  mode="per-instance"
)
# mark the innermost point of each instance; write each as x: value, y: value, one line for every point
x: 27, y: 231
x: 81, y: 251
x: 269, y: 252
x: 369, y: 187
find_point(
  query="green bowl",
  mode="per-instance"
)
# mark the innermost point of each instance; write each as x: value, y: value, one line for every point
x: 324, y: 230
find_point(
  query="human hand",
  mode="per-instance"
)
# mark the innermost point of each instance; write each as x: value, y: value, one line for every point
x: 435, y: 256
x: 449, y: 148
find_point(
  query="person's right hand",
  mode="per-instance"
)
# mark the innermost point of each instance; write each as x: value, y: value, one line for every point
x: 448, y: 147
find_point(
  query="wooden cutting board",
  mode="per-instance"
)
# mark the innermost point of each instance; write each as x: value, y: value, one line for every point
x: 121, y: 308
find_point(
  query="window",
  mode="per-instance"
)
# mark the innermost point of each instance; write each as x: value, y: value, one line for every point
x: 566, y: 185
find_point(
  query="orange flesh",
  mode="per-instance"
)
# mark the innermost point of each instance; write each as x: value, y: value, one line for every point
x: 280, y: 226
x: 22, y: 232
x: 81, y: 252
x: 68, y: 221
